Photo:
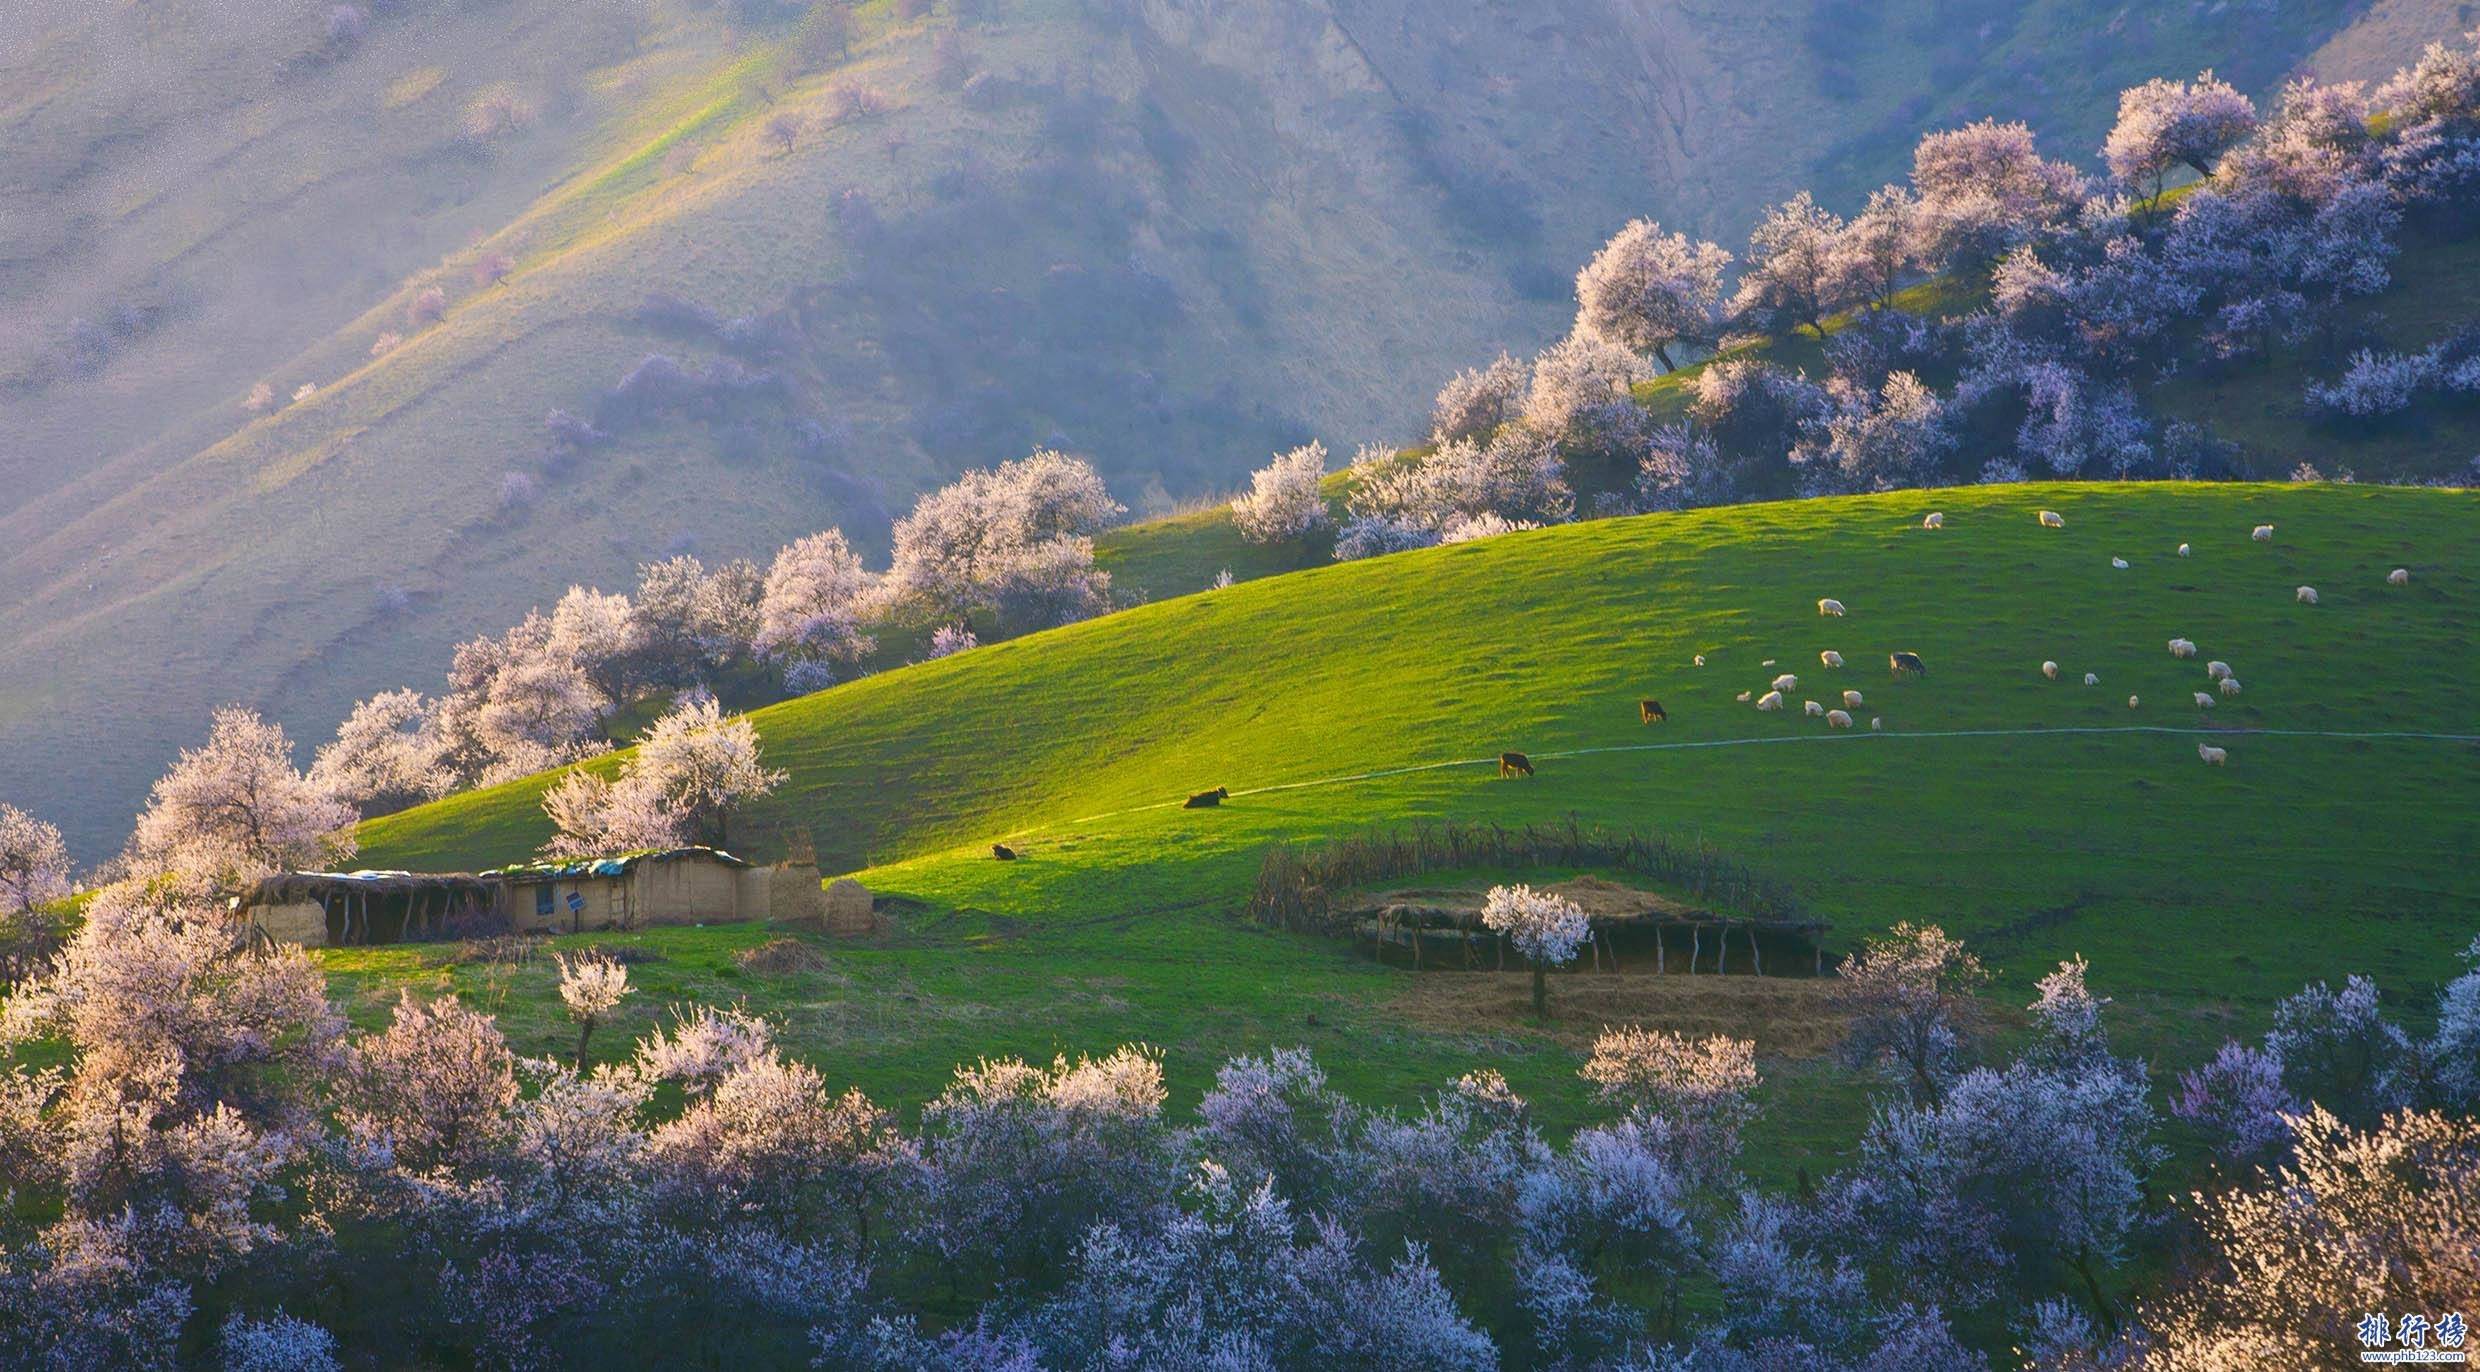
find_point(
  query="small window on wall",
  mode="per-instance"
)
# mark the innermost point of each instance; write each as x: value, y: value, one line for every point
x: 542, y: 901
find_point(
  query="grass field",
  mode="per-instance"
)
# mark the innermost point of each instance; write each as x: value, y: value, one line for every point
x: 2199, y: 894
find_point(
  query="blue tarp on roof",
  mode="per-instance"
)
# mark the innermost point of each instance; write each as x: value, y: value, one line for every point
x: 613, y: 865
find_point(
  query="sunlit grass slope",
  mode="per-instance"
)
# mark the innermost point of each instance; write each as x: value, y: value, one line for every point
x: 2193, y: 890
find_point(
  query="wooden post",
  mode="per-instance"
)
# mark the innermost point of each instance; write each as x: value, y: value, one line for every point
x: 1696, y: 946
x: 1756, y: 959
x: 1660, y: 958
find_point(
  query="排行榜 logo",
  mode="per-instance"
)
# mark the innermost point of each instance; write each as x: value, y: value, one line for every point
x: 2413, y: 1338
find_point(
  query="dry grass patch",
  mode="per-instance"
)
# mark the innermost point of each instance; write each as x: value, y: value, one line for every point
x: 781, y: 957
x: 1786, y: 1016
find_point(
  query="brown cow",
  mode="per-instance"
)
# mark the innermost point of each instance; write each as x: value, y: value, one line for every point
x: 1511, y: 763
x: 1651, y: 711
x: 1206, y: 800
x: 1907, y: 664
x: 1003, y: 852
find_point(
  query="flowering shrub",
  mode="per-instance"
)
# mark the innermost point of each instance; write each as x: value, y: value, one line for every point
x: 1283, y: 501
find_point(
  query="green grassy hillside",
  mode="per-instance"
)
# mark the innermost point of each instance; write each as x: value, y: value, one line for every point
x: 1171, y: 242
x: 2037, y: 818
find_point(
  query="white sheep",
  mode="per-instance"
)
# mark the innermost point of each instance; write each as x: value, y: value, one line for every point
x: 2204, y: 700
x: 2400, y: 576
x: 2132, y: 702
x: 1771, y: 700
x: 2182, y: 647
x: 2230, y: 686
x: 1786, y: 683
x: 2213, y: 757
x: 2262, y: 533
x: 2217, y: 669
x: 2091, y: 680
x: 1811, y: 708
x: 2307, y: 595
x: 2050, y: 670
x: 1830, y: 658
x: 1743, y: 696
x: 1877, y: 723
x: 1767, y: 663
x: 2119, y: 562
x: 1851, y: 700
x: 1700, y: 659
x: 1830, y: 606
x: 1838, y: 719
x: 2182, y: 550
x: 2050, y: 519
x: 1933, y: 520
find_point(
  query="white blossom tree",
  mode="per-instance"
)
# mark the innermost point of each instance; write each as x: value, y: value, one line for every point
x: 1573, y: 380
x: 816, y: 600
x: 389, y: 753
x: 1284, y: 501
x: 1547, y: 928
x: 34, y: 863
x: 1908, y: 993
x: 1647, y: 290
x: 592, y: 985
x: 235, y: 809
x: 1478, y: 399
x: 1017, y: 539
x: 692, y: 769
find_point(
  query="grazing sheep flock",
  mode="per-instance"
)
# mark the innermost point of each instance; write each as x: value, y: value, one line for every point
x: 1903, y: 664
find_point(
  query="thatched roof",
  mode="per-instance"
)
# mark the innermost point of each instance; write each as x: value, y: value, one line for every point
x: 286, y: 888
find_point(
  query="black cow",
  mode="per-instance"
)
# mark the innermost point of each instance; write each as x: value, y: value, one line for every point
x: 1907, y: 664
x: 1511, y: 763
x: 1651, y: 711
x: 1206, y: 800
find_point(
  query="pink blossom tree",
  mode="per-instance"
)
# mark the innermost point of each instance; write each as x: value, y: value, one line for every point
x: 1909, y: 993
x: 1648, y: 291
x: 1985, y: 188
x: 235, y: 809
x: 1792, y: 274
x: 1478, y: 399
x: 592, y: 985
x: 2166, y: 124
